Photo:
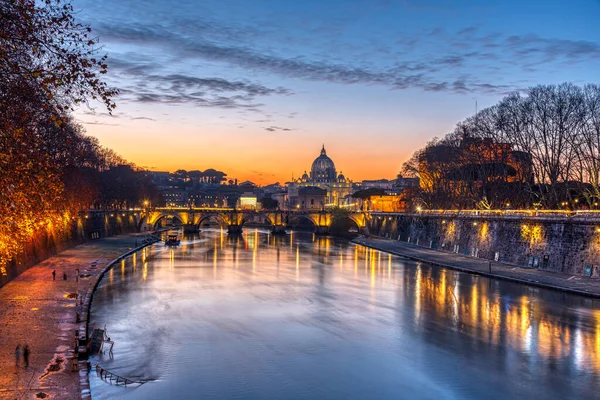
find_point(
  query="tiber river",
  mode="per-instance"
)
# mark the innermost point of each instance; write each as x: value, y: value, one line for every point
x: 305, y: 317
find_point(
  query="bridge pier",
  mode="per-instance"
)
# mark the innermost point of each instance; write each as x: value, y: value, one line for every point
x: 190, y: 228
x: 278, y: 230
x: 234, y: 229
x: 322, y: 230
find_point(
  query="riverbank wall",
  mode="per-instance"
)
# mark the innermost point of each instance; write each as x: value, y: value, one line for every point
x: 88, y: 226
x: 557, y: 243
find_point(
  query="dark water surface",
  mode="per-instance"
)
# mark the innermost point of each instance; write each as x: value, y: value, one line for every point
x: 303, y: 317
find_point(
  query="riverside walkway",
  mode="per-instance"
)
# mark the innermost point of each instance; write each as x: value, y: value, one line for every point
x: 40, y: 311
x: 554, y: 280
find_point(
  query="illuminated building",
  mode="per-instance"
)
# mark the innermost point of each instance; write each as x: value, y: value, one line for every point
x: 248, y: 201
x: 474, y: 163
x: 323, y: 175
x: 309, y: 198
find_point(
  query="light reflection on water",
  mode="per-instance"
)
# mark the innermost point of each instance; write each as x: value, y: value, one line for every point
x: 302, y: 317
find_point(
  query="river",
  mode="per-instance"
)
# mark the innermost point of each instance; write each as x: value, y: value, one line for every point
x: 307, y: 317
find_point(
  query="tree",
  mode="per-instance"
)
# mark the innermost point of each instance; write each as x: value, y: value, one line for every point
x: 43, y: 47
x: 269, y: 203
x: 589, y: 157
x: 49, y: 169
x: 538, y: 148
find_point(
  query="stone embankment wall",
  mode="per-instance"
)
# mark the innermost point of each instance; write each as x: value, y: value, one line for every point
x: 554, y: 243
x: 88, y: 226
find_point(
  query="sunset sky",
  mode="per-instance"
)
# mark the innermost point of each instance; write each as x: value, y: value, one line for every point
x: 255, y: 87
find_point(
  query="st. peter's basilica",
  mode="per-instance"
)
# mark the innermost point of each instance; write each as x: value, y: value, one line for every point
x: 323, y: 175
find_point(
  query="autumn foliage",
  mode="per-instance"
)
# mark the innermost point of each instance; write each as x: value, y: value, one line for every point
x: 49, y: 169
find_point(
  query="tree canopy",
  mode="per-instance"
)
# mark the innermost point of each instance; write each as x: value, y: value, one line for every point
x: 49, y: 169
x: 44, y: 48
x: 550, y: 132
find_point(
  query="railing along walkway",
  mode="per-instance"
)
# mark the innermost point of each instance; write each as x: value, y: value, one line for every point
x: 110, y: 376
x: 556, y: 215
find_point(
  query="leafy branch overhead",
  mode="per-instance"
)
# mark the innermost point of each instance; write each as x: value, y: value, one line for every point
x: 44, y: 47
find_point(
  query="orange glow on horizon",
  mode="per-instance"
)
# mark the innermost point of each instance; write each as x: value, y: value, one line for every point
x: 251, y: 156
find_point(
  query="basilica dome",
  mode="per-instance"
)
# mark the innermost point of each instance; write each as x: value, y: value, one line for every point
x: 323, y: 169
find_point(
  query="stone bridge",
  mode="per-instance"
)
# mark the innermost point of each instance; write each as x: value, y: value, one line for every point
x: 279, y: 220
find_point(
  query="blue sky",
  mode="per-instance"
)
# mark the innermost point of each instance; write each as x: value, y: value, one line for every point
x: 255, y: 87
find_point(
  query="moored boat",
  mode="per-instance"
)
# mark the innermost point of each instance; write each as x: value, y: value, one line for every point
x: 172, y: 239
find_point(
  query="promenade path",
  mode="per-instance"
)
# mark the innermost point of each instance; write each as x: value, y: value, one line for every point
x: 530, y: 276
x: 38, y: 311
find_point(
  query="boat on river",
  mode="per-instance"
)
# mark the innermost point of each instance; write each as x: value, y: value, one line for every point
x: 172, y: 239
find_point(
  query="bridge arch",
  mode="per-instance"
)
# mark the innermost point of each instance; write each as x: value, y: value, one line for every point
x: 154, y: 217
x: 343, y: 223
x: 360, y: 219
x: 210, y: 216
x: 265, y: 217
x: 294, y: 219
x: 173, y: 217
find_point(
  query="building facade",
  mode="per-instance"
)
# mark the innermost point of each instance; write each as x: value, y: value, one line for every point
x: 323, y: 175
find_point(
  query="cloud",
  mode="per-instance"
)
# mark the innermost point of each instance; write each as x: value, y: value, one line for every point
x: 278, y: 128
x: 402, y: 75
x: 467, y: 60
x: 261, y: 173
x: 142, y: 118
x: 102, y: 114
x: 98, y: 123
x: 202, y: 92
x: 547, y: 50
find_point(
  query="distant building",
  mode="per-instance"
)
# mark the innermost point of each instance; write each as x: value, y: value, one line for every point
x: 384, y: 184
x: 281, y: 198
x: 401, y: 183
x: 474, y: 161
x: 248, y: 201
x: 387, y: 203
x: 323, y: 175
x: 309, y: 198
x: 208, y: 198
x: 175, y: 197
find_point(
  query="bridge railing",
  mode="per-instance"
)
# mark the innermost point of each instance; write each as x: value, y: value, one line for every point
x: 110, y: 376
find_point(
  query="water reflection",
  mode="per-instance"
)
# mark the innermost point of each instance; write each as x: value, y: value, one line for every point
x: 315, y: 317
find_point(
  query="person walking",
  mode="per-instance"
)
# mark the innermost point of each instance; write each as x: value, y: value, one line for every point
x: 64, y: 276
x: 26, y: 355
x: 18, y: 354
x: 54, y: 275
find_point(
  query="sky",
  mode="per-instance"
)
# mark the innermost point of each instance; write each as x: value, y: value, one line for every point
x: 254, y: 88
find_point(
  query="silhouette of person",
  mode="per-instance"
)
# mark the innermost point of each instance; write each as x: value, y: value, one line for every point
x: 18, y: 354
x: 64, y: 276
x: 54, y: 275
x: 26, y: 355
